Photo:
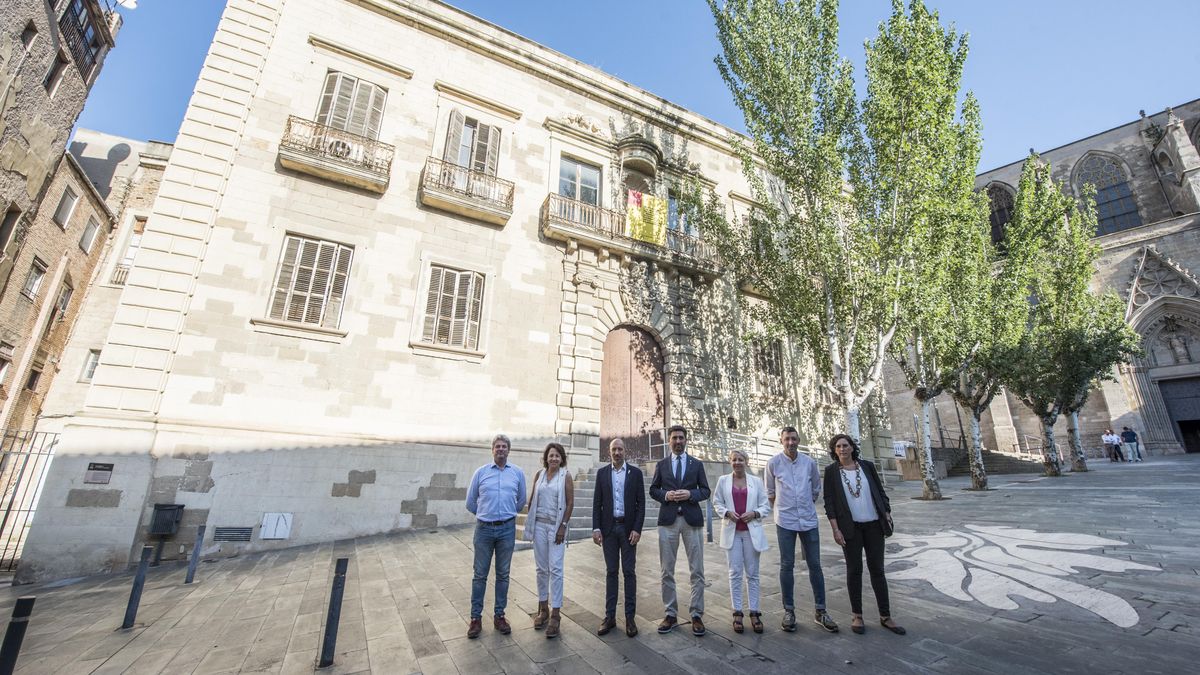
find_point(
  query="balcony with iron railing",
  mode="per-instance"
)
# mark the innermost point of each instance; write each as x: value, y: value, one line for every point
x: 570, y: 220
x: 469, y: 193
x: 330, y: 153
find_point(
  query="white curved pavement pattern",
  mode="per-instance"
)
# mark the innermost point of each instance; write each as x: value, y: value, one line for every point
x: 1095, y: 572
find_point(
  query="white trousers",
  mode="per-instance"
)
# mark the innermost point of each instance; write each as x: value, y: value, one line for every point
x: 743, y: 562
x: 549, y: 559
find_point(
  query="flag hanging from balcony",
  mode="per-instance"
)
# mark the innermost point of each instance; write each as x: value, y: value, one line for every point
x: 646, y: 218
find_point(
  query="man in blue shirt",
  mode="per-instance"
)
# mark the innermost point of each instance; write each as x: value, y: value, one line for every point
x: 496, y: 495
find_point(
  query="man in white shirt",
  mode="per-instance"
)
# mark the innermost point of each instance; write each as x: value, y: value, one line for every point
x: 618, y: 512
x: 793, y: 486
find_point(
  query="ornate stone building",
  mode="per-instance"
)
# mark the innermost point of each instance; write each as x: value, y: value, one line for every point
x: 1147, y: 179
x: 388, y: 230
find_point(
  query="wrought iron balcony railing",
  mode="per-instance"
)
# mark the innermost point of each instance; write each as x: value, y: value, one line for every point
x: 563, y: 213
x: 331, y: 149
x: 474, y: 185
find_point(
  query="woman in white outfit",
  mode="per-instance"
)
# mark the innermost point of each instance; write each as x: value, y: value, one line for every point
x: 740, y: 500
x: 546, y: 526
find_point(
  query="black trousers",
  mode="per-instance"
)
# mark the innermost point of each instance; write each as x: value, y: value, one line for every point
x: 618, y: 549
x: 869, y: 537
x: 1117, y: 455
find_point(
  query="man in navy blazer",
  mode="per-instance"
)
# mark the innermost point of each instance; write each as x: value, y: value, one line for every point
x: 618, y: 512
x: 680, y: 484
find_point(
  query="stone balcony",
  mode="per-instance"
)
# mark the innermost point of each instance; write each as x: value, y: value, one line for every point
x: 459, y: 190
x: 336, y: 155
x: 570, y: 220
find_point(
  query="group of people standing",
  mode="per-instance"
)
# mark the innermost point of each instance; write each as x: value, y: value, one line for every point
x: 855, y: 503
x: 1124, y: 447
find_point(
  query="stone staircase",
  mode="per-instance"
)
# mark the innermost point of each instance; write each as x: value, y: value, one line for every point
x: 996, y: 464
x: 581, y: 518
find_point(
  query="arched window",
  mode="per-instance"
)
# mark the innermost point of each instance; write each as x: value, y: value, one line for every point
x: 1115, y: 207
x: 1002, y: 211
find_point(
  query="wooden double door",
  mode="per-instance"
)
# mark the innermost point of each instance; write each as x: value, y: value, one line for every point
x: 633, y: 393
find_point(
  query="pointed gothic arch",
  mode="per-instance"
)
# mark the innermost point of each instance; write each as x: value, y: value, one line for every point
x: 1116, y: 204
x: 1001, y: 203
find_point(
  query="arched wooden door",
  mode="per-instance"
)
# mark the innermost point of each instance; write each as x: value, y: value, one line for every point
x: 633, y: 402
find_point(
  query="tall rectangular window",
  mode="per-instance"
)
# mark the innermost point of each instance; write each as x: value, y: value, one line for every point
x: 35, y: 376
x: 351, y: 104
x: 768, y: 367
x: 89, y: 235
x: 472, y: 144
x: 66, y: 205
x: 33, y: 281
x: 310, y: 286
x: 579, y: 181
x: 89, y: 366
x: 453, y: 308
x: 58, y: 68
x: 63, y: 302
x: 8, y: 227
x: 6, y: 357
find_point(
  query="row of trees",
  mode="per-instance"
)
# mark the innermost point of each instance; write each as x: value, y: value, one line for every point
x: 871, y: 241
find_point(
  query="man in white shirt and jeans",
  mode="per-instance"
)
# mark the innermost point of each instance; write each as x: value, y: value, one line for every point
x: 793, y: 486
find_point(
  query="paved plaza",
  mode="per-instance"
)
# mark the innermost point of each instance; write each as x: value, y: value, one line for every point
x: 1089, y: 573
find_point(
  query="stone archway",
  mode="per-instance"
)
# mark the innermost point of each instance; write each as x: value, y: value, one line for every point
x: 633, y: 392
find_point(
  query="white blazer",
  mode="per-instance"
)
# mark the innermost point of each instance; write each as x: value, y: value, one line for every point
x: 756, y: 500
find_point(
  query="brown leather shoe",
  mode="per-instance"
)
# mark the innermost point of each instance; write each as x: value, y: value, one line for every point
x: 697, y: 626
x: 552, y: 626
x: 668, y: 624
x: 606, y: 625
x: 475, y: 628
x: 630, y: 626
x: 501, y: 624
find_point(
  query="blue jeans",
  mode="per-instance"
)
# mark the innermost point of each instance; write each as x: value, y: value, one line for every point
x: 811, y: 541
x: 489, y: 539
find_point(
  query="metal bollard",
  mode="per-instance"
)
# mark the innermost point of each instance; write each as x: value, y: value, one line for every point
x: 15, y: 634
x: 329, y: 644
x: 191, y: 574
x: 135, y: 593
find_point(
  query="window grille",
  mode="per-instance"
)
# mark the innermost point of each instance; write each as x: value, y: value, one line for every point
x: 310, y: 286
x: 768, y: 367
x: 453, y: 307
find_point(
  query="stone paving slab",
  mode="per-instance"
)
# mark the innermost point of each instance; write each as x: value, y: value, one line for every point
x: 1039, y: 601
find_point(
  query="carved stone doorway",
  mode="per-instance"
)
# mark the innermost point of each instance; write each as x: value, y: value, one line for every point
x: 633, y: 401
x: 1182, y: 398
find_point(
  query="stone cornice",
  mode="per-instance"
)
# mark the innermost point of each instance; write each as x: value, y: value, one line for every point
x: 373, y: 61
x: 476, y: 99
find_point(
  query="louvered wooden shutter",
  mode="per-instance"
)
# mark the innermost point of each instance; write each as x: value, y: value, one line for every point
x: 474, y: 313
x: 337, y: 290
x: 338, y: 100
x: 287, y: 274
x: 375, y: 117
x: 479, y: 152
x: 331, y: 85
x: 493, y: 150
x: 445, y: 314
x: 431, y: 303
x: 454, y: 131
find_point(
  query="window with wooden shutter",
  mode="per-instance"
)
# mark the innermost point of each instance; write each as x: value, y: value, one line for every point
x: 310, y: 286
x: 351, y: 104
x: 472, y: 144
x: 453, y: 308
x: 66, y: 205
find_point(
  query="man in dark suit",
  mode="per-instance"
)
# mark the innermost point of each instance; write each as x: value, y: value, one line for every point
x: 618, y: 511
x: 680, y: 484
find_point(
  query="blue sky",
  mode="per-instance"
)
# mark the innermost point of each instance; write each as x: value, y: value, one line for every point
x: 1046, y: 72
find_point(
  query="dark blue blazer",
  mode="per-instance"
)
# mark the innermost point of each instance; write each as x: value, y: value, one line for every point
x: 635, y: 500
x: 694, y: 481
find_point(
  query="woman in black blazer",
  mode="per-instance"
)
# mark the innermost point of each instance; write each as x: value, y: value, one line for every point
x: 859, y: 512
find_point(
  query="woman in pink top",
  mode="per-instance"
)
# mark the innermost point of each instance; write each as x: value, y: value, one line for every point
x: 740, y: 500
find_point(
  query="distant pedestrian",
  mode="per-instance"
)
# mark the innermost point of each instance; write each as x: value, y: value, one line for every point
x: 680, y: 484
x: 861, y: 516
x: 1112, y: 443
x: 1133, y: 448
x: 547, y: 525
x: 793, y: 486
x: 496, y: 496
x: 740, y: 500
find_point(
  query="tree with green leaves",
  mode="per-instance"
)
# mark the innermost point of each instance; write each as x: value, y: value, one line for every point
x: 842, y: 214
x: 1072, y: 337
x: 992, y: 312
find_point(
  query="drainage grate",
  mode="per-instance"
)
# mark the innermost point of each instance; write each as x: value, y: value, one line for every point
x: 232, y: 533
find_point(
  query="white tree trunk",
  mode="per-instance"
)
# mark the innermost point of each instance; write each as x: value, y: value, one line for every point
x: 979, y: 479
x: 930, y: 488
x: 1050, y: 449
x: 853, y: 429
x: 1078, y: 457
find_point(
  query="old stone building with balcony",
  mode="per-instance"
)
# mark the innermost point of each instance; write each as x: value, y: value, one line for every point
x: 1147, y: 179
x: 388, y: 230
